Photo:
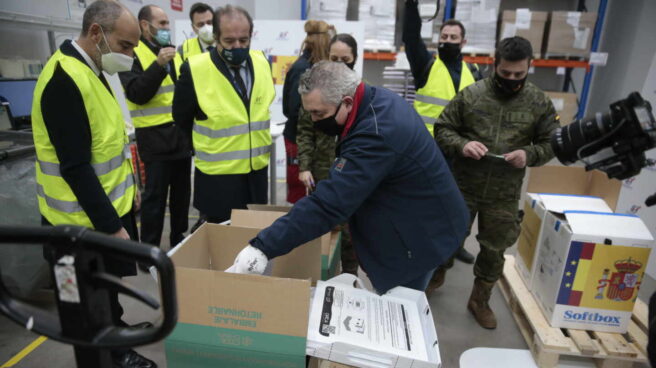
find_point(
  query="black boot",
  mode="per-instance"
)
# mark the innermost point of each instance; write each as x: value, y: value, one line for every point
x: 131, y: 359
x: 463, y: 256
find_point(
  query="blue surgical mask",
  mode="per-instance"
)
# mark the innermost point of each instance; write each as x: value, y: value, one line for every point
x: 235, y: 56
x: 163, y: 36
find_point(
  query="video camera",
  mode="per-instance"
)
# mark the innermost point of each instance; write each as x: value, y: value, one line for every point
x: 614, y: 142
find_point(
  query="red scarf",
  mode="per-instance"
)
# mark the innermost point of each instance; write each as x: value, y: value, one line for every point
x: 350, y: 119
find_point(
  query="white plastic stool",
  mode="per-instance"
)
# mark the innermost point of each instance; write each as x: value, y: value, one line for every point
x: 511, y: 358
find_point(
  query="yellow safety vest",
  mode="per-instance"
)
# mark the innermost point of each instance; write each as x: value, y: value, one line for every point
x: 231, y: 140
x: 110, y: 154
x: 191, y: 47
x: 431, y: 99
x: 157, y: 111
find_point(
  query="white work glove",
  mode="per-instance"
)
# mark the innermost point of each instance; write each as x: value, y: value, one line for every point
x: 249, y: 260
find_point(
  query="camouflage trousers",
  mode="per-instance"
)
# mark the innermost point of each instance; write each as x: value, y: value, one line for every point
x: 498, y: 229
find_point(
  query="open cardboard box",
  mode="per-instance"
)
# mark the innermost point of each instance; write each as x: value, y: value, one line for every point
x: 298, y: 263
x: 233, y: 320
x: 268, y: 207
x: 573, y: 181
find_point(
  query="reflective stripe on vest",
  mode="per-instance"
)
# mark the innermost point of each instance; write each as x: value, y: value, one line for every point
x: 109, y: 158
x: 74, y: 206
x: 234, y: 155
x: 158, y: 110
x: 232, y: 140
x: 229, y: 132
x: 51, y: 168
x: 438, y: 91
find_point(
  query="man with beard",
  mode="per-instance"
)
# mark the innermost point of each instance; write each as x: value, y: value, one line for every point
x: 494, y: 129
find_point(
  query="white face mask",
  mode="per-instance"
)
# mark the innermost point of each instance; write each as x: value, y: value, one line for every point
x: 206, y: 33
x: 114, y: 62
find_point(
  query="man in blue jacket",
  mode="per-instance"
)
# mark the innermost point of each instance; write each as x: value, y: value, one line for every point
x: 389, y: 180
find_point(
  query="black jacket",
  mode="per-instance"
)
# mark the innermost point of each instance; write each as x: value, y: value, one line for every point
x: 160, y: 142
x: 66, y: 120
x: 420, y: 59
x: 291, y: 99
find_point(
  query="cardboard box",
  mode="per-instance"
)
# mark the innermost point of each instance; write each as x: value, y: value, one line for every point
x: 589, y: 269
x: 570, y: 34
x: 566, y: 106
x: 527, y: 24
x: 360, y: 328
x: 532, y: 232
x: 268, y: 207
x: 326, y: 250
x: 480, y: 18
x: 573, y: 181
x: 232, y: 320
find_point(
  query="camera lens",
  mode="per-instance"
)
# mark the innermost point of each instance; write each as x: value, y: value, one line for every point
x: 567, y: 140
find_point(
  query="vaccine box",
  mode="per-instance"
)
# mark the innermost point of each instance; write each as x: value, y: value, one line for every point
x: 536, y: 206
x: 589, y: 268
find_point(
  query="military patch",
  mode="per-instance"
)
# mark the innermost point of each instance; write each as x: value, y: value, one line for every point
x: 341, y: 162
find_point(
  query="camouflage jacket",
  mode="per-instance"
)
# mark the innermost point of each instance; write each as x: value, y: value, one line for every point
x: 316, y: 151
x: 524, y: 121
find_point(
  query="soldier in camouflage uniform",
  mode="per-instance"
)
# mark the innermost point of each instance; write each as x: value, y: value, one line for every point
x: 494, y: 129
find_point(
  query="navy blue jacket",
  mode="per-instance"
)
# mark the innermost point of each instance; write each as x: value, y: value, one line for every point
x: 390, y: 180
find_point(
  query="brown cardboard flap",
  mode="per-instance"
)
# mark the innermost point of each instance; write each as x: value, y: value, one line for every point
x: 268, y: 207
x: 243, y: 302
x: 225, y: 243
x: 575, y: 181
x: 194, y: 253
x: 256, y: 219
x: 528, y: 237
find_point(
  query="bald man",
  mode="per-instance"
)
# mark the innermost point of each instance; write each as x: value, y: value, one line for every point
x: 84, y: 174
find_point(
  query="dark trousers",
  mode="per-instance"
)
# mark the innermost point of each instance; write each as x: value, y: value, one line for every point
x: 166, y: 179
x: 215, y: 196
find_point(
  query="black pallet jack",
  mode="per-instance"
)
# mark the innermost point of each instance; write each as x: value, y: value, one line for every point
x: 82, y: 290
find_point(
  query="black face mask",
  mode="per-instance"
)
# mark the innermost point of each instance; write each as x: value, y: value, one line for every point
x: 448, y: 51
x: 235, y: 56
x: 506, y: 88
x: 329, y: 125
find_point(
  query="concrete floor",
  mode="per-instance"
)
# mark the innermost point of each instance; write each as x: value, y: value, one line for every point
x: 456, y: 328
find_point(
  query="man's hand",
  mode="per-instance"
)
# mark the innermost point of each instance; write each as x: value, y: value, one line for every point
x: 306, y: 178
x: 122, y: 234
x: 165, y: 55
x: 249, y: 260
x: 474, y: 149
x: 516, y: 158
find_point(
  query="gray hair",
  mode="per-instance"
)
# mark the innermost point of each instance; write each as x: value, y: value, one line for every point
x: 103, y: 12
x: 333, y: 80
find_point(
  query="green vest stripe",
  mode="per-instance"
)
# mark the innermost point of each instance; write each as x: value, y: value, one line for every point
x: 234, y: 155
x: 229, y: 132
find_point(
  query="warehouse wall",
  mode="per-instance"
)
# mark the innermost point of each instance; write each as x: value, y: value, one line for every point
x: 629, y: 40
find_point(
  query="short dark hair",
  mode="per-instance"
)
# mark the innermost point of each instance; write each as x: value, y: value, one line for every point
x: 349, y: 40
x: 146, y: 13
x: 513, y: 49
x: 454, y: 22
x: 198, y: 8
x: 229, y: 10
x: 103, y: 12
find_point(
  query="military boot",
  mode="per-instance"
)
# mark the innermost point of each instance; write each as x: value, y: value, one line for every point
x: 478, y: 304
x: 436, y: 281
